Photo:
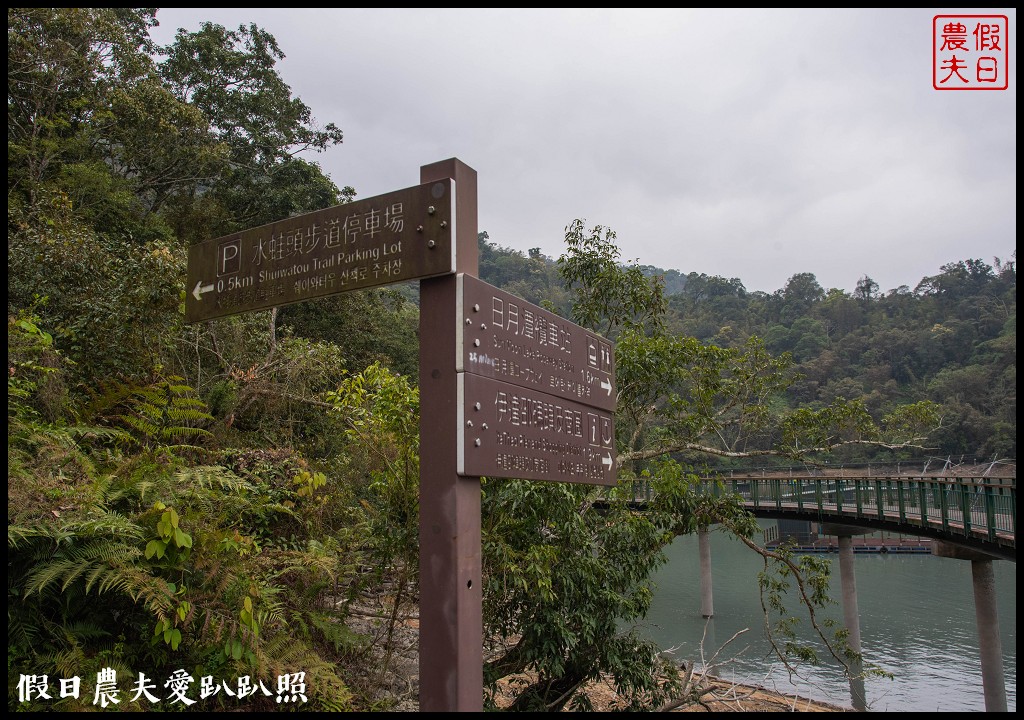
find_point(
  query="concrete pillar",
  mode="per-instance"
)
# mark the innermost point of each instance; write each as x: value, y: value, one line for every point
x: 707, y: 601
x: 987, y: 617
x: 851, y: 613
x: 851, y: 618
x: 848, y: 580
x: 990, y: 644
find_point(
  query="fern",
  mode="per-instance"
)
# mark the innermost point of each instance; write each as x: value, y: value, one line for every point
x: 164, y: 414
x: 210, y: 477
x: 70, y: 564
x: 293, y: 655
x: 82, y: 593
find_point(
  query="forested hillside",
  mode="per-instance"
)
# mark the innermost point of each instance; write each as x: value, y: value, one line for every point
x: 951, y: 339
x: 200, y: 511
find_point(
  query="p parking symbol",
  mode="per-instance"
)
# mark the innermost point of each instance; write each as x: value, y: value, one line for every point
x: 229, y: 256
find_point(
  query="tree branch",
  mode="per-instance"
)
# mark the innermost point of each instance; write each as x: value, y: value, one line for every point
x: 719, y: 452
x: 806, y: 600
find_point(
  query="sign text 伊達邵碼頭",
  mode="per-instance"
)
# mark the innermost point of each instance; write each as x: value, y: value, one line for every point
x: 509, y: 431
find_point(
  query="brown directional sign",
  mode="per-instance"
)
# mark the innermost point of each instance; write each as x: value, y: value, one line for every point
x: 506, y: 338
x: 403, y: 235
x: 509, y: 431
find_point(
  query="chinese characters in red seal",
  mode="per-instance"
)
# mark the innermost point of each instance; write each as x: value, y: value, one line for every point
x: 970, y: 52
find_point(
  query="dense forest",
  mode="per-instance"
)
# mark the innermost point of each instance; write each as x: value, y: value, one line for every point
x: 198, y: 513
x: 951, y: 339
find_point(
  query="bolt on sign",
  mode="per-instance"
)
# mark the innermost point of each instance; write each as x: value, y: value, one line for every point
x: 403, y: 235
x: 536, y: 392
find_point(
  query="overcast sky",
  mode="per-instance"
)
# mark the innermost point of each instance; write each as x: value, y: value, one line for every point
x: 754, y: 144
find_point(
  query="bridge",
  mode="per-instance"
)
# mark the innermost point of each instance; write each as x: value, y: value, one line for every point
x: 974, y: 518
x: 976, y: 512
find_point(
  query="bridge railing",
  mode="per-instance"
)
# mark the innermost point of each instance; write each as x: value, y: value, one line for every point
x: 967, y: 506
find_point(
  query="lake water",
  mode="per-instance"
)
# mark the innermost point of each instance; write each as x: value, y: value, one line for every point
x: 917, y: 622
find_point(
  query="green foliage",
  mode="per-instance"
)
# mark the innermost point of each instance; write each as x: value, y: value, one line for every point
x: 167, y: 546
x: 90, y: 121
x: 265, y: 382
x: 808, y: 577
x: 556, y: 600
x: 119, y: 490
x: 231, y: 78
x: 608, y: 296
x: 679, y: 394
x: 557, y: 586
x: 370, y: 326
x: 117, y: 163
x: 164, y: 414
x: 533, y: 277
x: 380, y: 410
x: 34, y: 382
x: 99, y: 286
x: 947, y: 341
x: 567, y: 574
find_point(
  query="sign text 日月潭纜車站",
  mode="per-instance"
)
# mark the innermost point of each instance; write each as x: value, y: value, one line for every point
x: 507, y: 338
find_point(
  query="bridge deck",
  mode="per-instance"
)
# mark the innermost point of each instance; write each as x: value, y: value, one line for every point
x: 954, y: 525
x: 977, y: 512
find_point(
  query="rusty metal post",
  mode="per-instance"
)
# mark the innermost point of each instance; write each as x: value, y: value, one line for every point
x: 451, y: 614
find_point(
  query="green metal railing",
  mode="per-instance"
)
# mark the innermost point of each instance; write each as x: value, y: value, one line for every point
x: 974, y: 507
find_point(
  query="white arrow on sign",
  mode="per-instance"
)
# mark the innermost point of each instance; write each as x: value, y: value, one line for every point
x: 199, y: 289
x: 607, y: 387
x: 607, y: 461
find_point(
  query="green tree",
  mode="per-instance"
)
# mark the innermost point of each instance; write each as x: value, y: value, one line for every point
x: 564, y: 580
x: 866, y: 288
x: 802, y: 291
x: 231, y: 77
x: 95, y: 146
x: 118, y: 161
x: 90, y: 119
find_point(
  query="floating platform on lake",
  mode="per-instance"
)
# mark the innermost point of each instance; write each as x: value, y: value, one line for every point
x: 867, y: 545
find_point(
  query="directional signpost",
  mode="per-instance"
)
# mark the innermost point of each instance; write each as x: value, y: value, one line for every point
x: 535, y: 391
x: 506, y: 338
x: 507, y: 389
x: 404, y: 235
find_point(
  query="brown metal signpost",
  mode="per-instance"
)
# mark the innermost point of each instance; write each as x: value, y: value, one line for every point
x: 507, y: 389
x: 451, y: 614
x: 478, y: 341
x: 404, y: 235
x: 506, y: 338
x: 536, y: 392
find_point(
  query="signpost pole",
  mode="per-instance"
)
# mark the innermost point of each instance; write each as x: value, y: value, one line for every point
x: 551, y: 384
x: 451, y: 611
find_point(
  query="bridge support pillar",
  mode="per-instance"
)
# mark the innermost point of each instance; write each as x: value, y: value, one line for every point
x: 987, y: 618
x: 707, y: 600
x: 851, y: 612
